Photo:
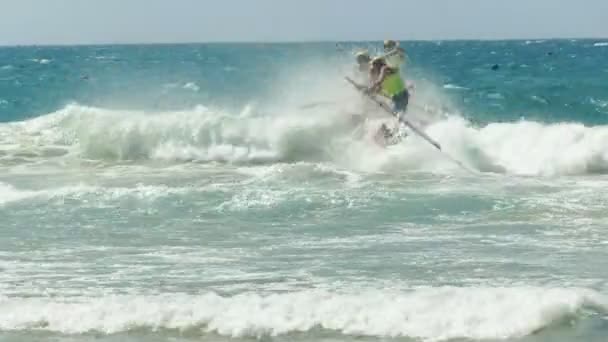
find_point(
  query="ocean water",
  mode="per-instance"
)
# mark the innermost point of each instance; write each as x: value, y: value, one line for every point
x: 222, y: 193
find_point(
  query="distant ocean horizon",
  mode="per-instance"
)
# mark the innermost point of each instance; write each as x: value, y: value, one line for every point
x: 304, y: 41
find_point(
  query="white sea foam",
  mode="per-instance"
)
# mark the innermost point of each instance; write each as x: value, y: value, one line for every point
x: 192, y: 86
x: 203, y: 134
x: 432, y: 314
x: 10, y: 194
x: 41, y: 61
x: 454, y: 86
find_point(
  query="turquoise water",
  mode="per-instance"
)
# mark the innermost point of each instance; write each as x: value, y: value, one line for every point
x: 222, y: 193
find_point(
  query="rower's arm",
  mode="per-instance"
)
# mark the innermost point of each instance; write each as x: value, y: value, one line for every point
x: 383, y: 74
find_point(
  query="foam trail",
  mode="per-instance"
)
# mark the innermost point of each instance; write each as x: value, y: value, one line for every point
x: 10, y: 194
x: 431, y: 314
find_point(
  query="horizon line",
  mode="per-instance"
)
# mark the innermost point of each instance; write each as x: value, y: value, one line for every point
x: 253, y: 42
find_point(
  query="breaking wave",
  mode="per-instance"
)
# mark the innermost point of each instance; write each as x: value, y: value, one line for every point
x: 205, y: 135
x: 433, y: 314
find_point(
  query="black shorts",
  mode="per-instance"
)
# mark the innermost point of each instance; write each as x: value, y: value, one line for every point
x: 401, y: 100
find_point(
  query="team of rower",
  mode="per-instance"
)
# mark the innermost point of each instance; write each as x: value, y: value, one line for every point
x: 382, y: 76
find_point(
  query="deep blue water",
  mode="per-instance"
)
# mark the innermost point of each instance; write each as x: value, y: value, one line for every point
x: 554, y: 80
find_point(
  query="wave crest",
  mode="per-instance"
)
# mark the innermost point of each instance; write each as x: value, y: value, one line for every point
x: 431, y: 314
x: 205, y: 135
x: 199, y: 134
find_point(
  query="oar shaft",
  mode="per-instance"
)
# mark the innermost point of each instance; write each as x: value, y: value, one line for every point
x: 409, y: 124
x: 406, y: 122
